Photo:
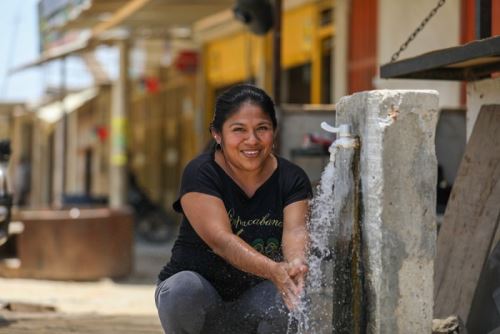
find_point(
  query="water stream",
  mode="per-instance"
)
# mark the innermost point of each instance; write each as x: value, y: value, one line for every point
x: 334, y: 280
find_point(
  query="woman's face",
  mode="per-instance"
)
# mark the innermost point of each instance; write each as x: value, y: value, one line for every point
x: 247, y: 138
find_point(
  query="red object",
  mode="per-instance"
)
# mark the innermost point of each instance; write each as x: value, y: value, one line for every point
x: 186, y: 61
x: 152, y: 84
x: 102, y: 133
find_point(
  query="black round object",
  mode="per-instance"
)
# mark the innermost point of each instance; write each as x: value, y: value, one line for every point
x: 257, y: 14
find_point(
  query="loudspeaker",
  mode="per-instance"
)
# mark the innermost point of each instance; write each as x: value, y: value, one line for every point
x: 257, y: 14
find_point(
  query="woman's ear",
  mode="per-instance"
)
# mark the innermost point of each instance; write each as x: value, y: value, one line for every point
x: 216, y: 136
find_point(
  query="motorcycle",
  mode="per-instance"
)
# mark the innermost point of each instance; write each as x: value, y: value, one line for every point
x: 152, y: 222
x: 5, y: 191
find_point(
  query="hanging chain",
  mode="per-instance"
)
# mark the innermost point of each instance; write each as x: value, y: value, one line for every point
x: 433, y: 12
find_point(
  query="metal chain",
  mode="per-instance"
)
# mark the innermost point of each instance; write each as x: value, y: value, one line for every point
x: 433, y: 12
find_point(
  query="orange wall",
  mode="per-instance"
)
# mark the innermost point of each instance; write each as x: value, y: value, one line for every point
x: 469, y: 21
x: 468, y: 27
x: 362, y: 58
x: 495, y: 17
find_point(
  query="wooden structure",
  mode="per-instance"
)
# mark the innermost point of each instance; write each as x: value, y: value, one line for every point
x: 470, y: 228
x: 473, y: 61
x: 72, y: 244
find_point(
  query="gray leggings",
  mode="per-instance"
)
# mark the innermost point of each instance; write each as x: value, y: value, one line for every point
x: 188, y: 304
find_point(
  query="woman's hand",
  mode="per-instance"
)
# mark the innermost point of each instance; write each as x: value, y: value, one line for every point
x: 286, y: 285
x: 297, y: 270
x: 294, y: 242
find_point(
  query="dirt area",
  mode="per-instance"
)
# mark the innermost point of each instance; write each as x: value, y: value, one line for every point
x: 105, y: 306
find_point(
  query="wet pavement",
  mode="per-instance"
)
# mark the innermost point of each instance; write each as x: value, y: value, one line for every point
x: 105, y: 306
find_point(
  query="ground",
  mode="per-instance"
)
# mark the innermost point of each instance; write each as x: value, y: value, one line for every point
x: 106, y: 306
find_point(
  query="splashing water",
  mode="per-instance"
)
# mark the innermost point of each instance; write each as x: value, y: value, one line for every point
x: 327, y: 226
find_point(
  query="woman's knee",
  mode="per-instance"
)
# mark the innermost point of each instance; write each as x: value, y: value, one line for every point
x: 184, y: 291
x: 183, y: 300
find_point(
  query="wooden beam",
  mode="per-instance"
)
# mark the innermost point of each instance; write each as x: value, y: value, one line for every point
x: 214, y: 20
x: 471, y: 219
x: 119, y: 16
x: 95, y: 68
x: 442, y: 64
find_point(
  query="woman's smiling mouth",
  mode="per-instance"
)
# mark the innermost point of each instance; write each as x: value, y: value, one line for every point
x: 250, y: 153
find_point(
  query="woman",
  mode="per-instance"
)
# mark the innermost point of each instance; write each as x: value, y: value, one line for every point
x: 239, y: 261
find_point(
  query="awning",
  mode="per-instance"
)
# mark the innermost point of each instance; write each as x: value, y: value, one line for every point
x: 108, y: 21
x: 56, y: 53
x: 53, y: 112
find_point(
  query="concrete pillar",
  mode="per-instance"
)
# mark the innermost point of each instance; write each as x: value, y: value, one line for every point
x: 398, y: 172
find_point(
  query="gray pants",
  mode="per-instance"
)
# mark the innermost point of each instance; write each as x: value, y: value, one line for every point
x: 188, y: 304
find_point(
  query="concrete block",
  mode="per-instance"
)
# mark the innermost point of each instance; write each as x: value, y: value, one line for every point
x: 398, y: 171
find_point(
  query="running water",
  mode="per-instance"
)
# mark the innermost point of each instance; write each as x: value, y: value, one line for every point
x: 330, y: 226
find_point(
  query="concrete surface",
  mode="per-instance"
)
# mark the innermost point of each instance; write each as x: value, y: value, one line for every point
x: 105, y: 306
x: 398, y: 171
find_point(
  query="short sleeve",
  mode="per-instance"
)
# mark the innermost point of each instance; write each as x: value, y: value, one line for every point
x: 199, y: 176
x: 296, y: 184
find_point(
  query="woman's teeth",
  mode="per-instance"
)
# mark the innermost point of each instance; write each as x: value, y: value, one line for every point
x: 252, y: 153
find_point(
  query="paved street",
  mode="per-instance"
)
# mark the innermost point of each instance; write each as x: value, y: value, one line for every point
x: 89, y: 324
x: 105, y: 306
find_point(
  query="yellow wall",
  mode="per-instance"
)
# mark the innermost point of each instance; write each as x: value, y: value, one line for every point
x: 233, y: 58
x: 298, y: 31
x: 242, y: 56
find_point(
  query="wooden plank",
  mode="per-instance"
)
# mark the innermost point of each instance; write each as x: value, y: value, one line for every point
x: 119, y: 16
x: 470, y: 220
x: 433, y: 64
x: 496, y: 239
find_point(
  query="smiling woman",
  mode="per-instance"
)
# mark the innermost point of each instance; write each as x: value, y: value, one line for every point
x: 238, y: 264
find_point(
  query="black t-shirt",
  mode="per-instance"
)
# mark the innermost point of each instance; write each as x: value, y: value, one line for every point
x: 258, y: 220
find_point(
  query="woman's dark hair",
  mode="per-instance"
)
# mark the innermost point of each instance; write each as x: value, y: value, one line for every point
x: 233, y: 98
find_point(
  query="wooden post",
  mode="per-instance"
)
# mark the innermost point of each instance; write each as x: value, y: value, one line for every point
x: 471, y: 220
x: 117, y: 172
x: 277, y: 54
x: 60, y: 143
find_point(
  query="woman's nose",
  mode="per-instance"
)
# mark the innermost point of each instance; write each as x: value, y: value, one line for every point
x: 252, y: 137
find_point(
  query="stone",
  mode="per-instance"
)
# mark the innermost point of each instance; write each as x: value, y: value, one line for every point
x: 451, y: 325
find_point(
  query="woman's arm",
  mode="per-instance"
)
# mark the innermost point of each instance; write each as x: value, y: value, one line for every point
x: 209, y: 219
x: 295, y: 239
x: 295, y: 236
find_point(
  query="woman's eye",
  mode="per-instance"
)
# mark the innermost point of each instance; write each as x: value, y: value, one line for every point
x: 238, y: 129
x: 262, y: 128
